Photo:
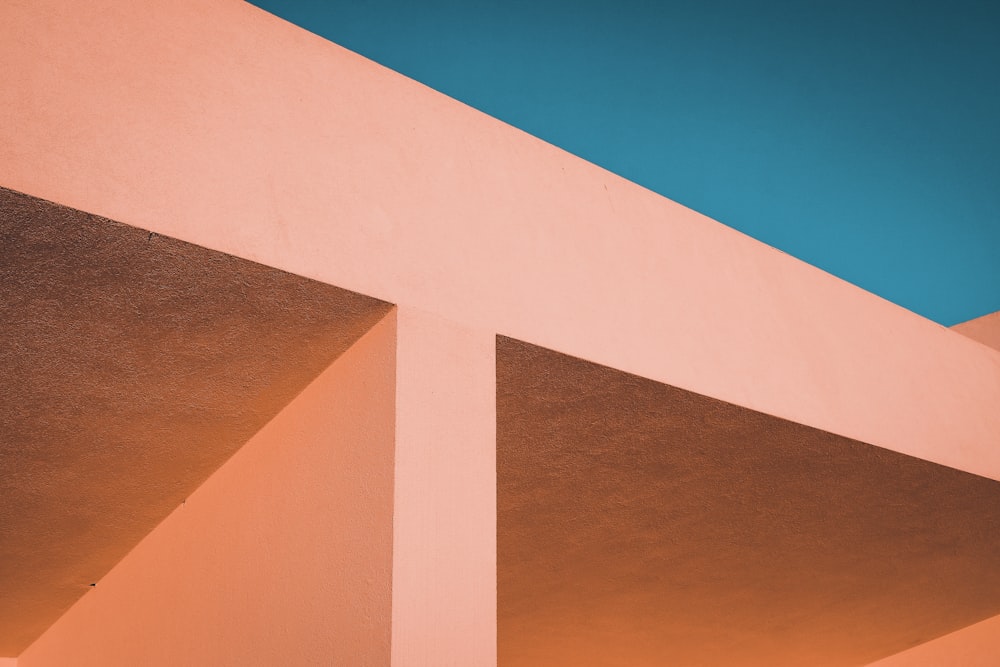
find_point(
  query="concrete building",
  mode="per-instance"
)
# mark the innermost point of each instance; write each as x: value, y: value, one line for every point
x: 308, y: 364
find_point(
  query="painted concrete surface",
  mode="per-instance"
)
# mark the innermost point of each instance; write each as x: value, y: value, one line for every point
x: 283, y: 557
x: 215, y: 123
x: 219, y: 124
x: 133, y: 366
x: 645, y: 525
x: 985, y: 329
x: 975, y: 646
x: 444, y: 526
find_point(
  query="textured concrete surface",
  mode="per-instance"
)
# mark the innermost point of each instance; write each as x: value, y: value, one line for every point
x: 985, y: 329
x: 645, y: 525
x: 282, y: 557
x: 133, y: 366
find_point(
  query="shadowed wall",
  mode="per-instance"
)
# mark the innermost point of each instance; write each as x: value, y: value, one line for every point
x: 282, y: 557
x: 645, y: 525
x: 133, y: 366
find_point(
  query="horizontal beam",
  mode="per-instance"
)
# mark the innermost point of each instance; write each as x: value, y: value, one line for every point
x: 222, y: 125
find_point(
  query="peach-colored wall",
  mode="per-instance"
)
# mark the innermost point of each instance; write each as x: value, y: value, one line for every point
x: 444, y: 599
x: 215, y: 122
x: 283, y: 557
x: 8, y: 662
x: 975, y: 646
x: 985, y: 329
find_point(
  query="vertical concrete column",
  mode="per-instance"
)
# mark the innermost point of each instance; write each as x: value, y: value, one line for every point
x: 444, y: 523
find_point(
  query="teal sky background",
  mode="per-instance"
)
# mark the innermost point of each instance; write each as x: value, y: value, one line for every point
x: 861, y: 137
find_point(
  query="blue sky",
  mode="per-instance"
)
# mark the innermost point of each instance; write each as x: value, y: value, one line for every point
x: 861, y: 137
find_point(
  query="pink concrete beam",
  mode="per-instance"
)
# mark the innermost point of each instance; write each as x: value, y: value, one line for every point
x: 985, y: 329
x: 444, y: 602
x: 282, y: 557
x: 974, y: 646
x: 219, y: 124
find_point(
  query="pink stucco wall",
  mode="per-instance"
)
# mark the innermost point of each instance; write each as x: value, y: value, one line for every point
x: 975, y: 646
x: 283, y: 557
x: 215, y: 122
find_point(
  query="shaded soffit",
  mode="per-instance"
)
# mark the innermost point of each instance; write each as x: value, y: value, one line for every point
x: 133, y: 366
x: 642, y: 524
